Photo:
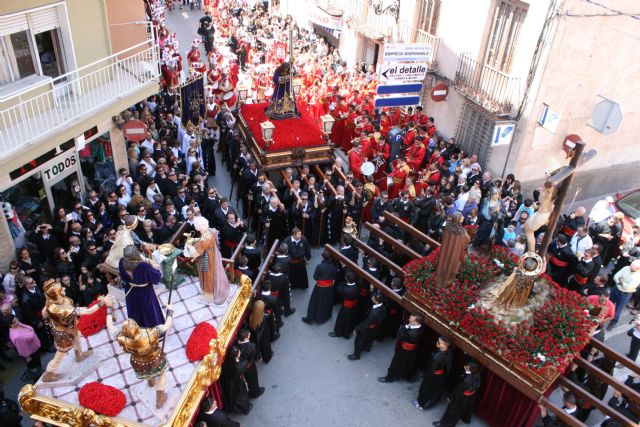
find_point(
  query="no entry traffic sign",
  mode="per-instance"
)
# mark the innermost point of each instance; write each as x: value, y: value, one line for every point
x: 439, y: 92
x: 135, y: 130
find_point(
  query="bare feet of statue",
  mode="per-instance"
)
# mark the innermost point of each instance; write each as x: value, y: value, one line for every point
x: 151, y: 382
x: 80, y: 356
x: 161, y: 398
x: 50, y: 377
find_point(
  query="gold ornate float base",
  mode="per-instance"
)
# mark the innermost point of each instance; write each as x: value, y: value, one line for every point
x: 62, y: 413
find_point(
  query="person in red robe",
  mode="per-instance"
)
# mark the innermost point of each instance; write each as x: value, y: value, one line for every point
x: 349, y: 128
x: 355, y: 162
x: 339, y: 113
x: 431, y: 128
x: 380, y: 153
x: 194, y: 54
x: 420, y: 118
x: 398, y: 175
x: 415, y: 155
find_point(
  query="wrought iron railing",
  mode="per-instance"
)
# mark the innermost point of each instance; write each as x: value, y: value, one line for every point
x: 37, y: 112
x: 494, y: 90
x: 406, y: 33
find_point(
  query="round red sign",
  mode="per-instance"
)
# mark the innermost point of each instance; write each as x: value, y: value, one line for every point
x: 135, y: 130
x: 439, y: 92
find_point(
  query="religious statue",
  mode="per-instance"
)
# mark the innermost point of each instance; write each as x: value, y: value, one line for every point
x: 350, y: 227
x: 283, y: 104
x: 515, y: 291
x: 213, y: 279
x: 541, y: 216
x: 123, y: 239
x: 147, y: 353
x: 62, y: 317
x: 138, y: 276
x: 452, y: 250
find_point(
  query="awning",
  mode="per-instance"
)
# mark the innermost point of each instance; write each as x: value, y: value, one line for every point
x: 324, y: 19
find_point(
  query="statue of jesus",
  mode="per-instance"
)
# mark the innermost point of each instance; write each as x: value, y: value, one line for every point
x: 454, y: 244
x: 541, y: 216
x: 283, y: 103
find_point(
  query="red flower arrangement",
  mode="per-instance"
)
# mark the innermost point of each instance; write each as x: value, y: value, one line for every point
x: 101, y: 398
x: 559, y: 330
x: 198, y: 343
x: 90, y: 324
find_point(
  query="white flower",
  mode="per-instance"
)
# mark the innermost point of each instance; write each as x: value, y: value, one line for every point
x: 541, y: 357
x: 472, y: 306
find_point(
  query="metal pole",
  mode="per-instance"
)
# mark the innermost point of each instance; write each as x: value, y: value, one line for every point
x: 171, y: 285
x: 562, y: 194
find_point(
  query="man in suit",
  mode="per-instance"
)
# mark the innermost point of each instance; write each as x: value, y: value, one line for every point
x: 32, y: 302
x: 367, y: 329
x: 212, y: 416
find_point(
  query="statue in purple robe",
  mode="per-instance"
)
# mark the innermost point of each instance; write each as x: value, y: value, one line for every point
x: 138, y: 277
x: 283, y: 102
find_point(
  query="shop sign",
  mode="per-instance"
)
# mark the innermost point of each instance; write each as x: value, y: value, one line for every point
x: 322, y: 18
x: 403, y: 72
x: 59, y: 166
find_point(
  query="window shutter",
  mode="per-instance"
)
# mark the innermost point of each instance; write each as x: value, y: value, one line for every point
x: 44, y: 20
x: 13, y: 24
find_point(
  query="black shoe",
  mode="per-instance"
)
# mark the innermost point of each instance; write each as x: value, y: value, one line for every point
x: 258, y: 394
x: 611, y: 326
x: 280, y: 324
x: 307, y: 321
x: 293, y: 310
x: 436, y: 423
x: 353, y: 357
x: 332, y: 334
x: 275, y: 336
x: 250, y: 408
x: 385, y: 380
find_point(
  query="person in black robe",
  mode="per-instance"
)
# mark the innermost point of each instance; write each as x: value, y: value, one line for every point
x: 299, y: 254
x: 462, y: 398
x: 367, y: 329
x: 252, y: 253
x: 303, y: 215
x: 381, y: 205
x: 393, y: 319
x: 561, y: 260
x: 281, y: 288
x: 259, y: 325
x: 271, y: 307
x: 352, y: 254
x: 248, y: 355
x: 213, y: 416
x: 435, y: 376
x: 405, y: 359
x: 274, y: 222
x: 231, y: 234
x: 582, y: 272
x: 282, y: 256
x: 235, y: 392
x: 243, y: 268
x: 336, y: 214
x: 366, y: 289
x: 347, y: 316
x: 248, y: 180
x: 321, y: 302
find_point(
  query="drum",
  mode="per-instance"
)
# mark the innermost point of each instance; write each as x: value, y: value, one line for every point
x: 269, y: 92
x: 367, y: 168
x: 200, y: 67
x: 230, y: 99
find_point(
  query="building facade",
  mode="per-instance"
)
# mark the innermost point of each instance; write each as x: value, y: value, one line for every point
x: 67, y: 68
x: 522, y: 76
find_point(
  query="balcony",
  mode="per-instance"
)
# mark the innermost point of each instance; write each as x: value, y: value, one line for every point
x: 406, y: 33
x: 368, y: 19
x: 493, y: 90
x: 38, y: 112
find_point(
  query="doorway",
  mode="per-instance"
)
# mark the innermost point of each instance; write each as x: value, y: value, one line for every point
x: 67, y: 190
x: 371, y: 49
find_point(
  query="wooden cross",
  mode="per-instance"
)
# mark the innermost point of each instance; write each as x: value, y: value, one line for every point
x: 562, y: 181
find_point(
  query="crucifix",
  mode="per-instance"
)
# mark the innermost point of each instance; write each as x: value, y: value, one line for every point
x: 516, y: 289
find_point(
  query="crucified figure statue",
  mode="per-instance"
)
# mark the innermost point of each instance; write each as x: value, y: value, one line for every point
x: 541, y: 216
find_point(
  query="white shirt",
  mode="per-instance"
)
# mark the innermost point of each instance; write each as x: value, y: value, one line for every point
x: 626, y: 280
x: 601, y: 211
x: 580, y: 244
x: 461, y: 201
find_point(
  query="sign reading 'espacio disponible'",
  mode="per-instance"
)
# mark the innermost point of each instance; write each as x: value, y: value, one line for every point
x: 402, y: 52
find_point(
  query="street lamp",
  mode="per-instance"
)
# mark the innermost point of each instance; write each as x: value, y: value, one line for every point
x: 242, y: 93
x: 267, y: 133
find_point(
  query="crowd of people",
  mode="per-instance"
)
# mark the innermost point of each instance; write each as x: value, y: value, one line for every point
x: 419, y: 176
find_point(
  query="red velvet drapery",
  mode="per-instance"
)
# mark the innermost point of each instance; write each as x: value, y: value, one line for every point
x: 501, y: 405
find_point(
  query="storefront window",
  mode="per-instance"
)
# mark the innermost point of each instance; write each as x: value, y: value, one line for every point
x: 28, y: 199
x: 96, y: 160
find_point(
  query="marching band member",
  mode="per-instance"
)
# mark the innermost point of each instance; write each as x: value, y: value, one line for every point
x: 194, y: 54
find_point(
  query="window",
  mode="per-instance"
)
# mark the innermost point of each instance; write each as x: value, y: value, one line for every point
x: 30, y: 44
x: 507, y: 22
x: 428, y: 16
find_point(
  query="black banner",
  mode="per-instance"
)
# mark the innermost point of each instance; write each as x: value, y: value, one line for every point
x: 192, y: 101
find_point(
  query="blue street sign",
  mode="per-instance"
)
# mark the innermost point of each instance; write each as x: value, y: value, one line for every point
x: 402, y: 88
x: 396, y: 101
